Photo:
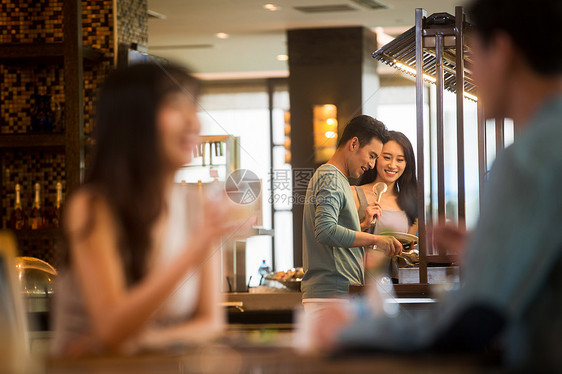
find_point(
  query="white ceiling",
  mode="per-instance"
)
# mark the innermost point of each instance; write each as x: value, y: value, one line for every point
x: 256, y: 35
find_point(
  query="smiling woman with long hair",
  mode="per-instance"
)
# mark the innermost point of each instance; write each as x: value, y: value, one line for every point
x: 397, y: 211
x: 138, y: 266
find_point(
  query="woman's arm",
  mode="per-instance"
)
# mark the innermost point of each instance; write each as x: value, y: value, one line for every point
x: 117, y: 312
x: 414, y: 228
x: 209, y: 310
x: 208, y: 319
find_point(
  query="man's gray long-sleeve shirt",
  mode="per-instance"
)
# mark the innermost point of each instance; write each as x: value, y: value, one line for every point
x: 330, y: 220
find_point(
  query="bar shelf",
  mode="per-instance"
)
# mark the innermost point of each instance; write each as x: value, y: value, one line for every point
x: 32, y: 140
x: 45, y: 52
x: 39, y: 234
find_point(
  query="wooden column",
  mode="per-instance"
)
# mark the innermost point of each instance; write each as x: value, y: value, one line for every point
x: 459, y: 48
x: 482, y: 154
x: 327, y: 66
x: 500, y: 137
x: 73, y: 92
x: 440, y: 129
x: 423, y: 240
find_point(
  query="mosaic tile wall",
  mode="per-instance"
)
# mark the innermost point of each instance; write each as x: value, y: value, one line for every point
x: 18, y: 84
x: 32, y: 21
x: 132, y: 21
x: 98, y: 32
x: 93, y: 77
x: 40, y: 21
x: 97, y: 24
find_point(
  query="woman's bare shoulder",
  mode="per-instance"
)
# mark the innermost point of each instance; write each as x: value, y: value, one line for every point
x: 368, y: 191
x: 366, y: 187
x: 85, y: 198
x: 83, y: 206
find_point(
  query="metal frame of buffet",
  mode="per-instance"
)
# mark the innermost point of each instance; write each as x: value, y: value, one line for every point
x: 435, y: 51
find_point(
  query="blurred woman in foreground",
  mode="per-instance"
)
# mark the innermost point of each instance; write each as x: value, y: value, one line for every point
x: 139, y: 264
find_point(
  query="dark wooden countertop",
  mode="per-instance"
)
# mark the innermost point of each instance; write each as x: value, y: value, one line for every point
x: 226, y: 359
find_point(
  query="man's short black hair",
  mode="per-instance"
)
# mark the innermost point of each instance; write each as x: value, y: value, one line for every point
x: 533, y: 25
x: 365, y: 128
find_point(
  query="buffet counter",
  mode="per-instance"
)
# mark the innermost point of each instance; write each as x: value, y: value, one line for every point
x: 275, y: 309
x: 265, y: 309
x: 265, y: 301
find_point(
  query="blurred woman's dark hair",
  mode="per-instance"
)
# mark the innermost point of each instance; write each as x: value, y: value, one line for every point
x: 127, y: 168
x: 407, y: 184
x: 542, y: 17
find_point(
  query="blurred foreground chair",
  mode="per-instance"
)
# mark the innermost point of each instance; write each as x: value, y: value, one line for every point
x: 14, y: 347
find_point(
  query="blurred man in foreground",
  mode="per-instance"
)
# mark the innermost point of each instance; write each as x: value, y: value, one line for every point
x: 512, y: 275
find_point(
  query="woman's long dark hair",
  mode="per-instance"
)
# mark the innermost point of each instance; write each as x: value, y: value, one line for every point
x: 127, y: 168
x: 407, y: 184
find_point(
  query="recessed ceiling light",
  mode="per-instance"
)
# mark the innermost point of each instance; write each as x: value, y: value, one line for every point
x: 222, y: 35
x: 282, y: 57
x: 271, y: 7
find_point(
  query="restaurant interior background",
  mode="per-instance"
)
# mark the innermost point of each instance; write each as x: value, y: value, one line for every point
x: 240, y: 49
x: 246, y: 53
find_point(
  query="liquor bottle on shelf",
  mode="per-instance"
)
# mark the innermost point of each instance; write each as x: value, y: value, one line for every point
x: 17, y: 220
x: 36, y: 218
x: 58, y: 125
x: 42, y: 116
x: 56, y: 219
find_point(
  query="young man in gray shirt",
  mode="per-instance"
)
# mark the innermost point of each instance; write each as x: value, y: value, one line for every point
x: 333, y: 252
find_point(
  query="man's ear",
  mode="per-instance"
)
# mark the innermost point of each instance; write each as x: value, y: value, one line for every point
x: 354, y: 144
x: 506, y: 52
